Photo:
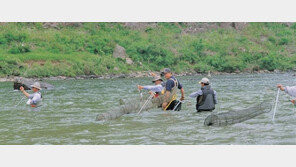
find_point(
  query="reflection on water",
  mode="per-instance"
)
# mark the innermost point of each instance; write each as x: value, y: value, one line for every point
x: 68, y: 114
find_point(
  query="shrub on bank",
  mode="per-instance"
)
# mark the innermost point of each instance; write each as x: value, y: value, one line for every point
x: 87, y: 49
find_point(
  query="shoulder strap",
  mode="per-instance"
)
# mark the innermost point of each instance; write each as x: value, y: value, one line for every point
x: 175, y: 81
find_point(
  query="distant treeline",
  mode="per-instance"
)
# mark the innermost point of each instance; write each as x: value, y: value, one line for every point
x: 71, y: 49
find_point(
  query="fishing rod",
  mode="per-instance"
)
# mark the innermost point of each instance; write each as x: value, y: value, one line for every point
x: 146, y: 102
x: 276, y: 104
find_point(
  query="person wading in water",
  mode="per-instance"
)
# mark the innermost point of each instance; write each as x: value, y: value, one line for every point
x: 36, y: 97
x: 290, y: 90
x: 206, y: 97
x: 170, y: 91
x: 157, y: 88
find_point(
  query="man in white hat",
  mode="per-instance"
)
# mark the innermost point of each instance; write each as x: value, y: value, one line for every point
x: 206, y: 97
x: 36, y: 97
x: 157, y: 88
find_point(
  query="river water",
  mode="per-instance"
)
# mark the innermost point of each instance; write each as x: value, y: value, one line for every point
x: 68, y: 114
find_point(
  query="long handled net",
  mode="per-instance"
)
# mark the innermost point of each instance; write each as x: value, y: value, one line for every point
x: 276, y: 104
x: 237, y: 116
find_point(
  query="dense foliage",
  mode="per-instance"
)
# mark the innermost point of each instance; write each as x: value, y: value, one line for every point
x: 29, y: 49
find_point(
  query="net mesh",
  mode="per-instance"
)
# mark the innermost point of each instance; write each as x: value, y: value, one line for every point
x: 129, y: 106
x: 237, y: 116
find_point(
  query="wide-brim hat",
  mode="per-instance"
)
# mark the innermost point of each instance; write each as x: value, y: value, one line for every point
x: 36, y: 85
x: 157, y: 79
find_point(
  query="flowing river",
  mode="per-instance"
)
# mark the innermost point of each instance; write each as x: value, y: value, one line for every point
x: 68, y: 113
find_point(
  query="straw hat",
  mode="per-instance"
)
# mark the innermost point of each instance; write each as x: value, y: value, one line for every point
x: 36, y: 85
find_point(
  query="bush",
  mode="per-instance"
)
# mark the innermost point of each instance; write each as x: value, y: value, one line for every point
x: 283, y: 41
x: 272, y: 39
x: 9, y: 68
x: 293, y: 26
x: 19, y: 48
x: 232, y: 63
x: 193, y: 53
x: 17, y: 37
x: 202, y: 67
x: 2, y: 40
x: 269, y: 62
x: 88, y: 49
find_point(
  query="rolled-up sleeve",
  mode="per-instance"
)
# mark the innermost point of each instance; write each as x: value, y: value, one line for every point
x: 195, y: 94
x: 156, y: 88
x: 291, y: 90
x: 179, y: 85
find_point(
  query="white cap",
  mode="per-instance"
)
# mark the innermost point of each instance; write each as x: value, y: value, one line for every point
x: 36, y: 85
x: 205, y: 81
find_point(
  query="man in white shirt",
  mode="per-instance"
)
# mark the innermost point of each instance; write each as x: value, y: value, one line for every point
x: 157, y: 88
x: 290, y: 90
x: 36, y: 97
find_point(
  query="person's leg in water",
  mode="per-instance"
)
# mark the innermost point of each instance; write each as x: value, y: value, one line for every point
x: 173, y: 105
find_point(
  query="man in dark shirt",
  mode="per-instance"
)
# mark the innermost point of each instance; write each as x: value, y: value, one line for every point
x: 170, y: 92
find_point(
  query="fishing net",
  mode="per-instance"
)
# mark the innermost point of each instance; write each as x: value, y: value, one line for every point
x: 129, y: 106
x: 233, y: 117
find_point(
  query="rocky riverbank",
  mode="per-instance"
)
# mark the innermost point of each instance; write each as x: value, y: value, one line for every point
x: 143, y: 74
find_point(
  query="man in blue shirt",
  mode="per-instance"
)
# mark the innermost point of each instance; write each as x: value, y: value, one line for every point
x: 171, y: 86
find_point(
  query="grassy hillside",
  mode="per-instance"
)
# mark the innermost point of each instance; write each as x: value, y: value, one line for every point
x: 31, y: 50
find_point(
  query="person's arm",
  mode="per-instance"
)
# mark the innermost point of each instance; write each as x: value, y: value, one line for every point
x: 290, y: 90
x: 154, y: 88
x: 181, y: 90
x: 195, y: 94
x: 22, y: 89
x: 215, y: 97
x: 182, y: 94
x: 281, y: 87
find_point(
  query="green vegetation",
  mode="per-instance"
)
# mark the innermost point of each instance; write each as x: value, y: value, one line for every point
x: 30, y: 50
